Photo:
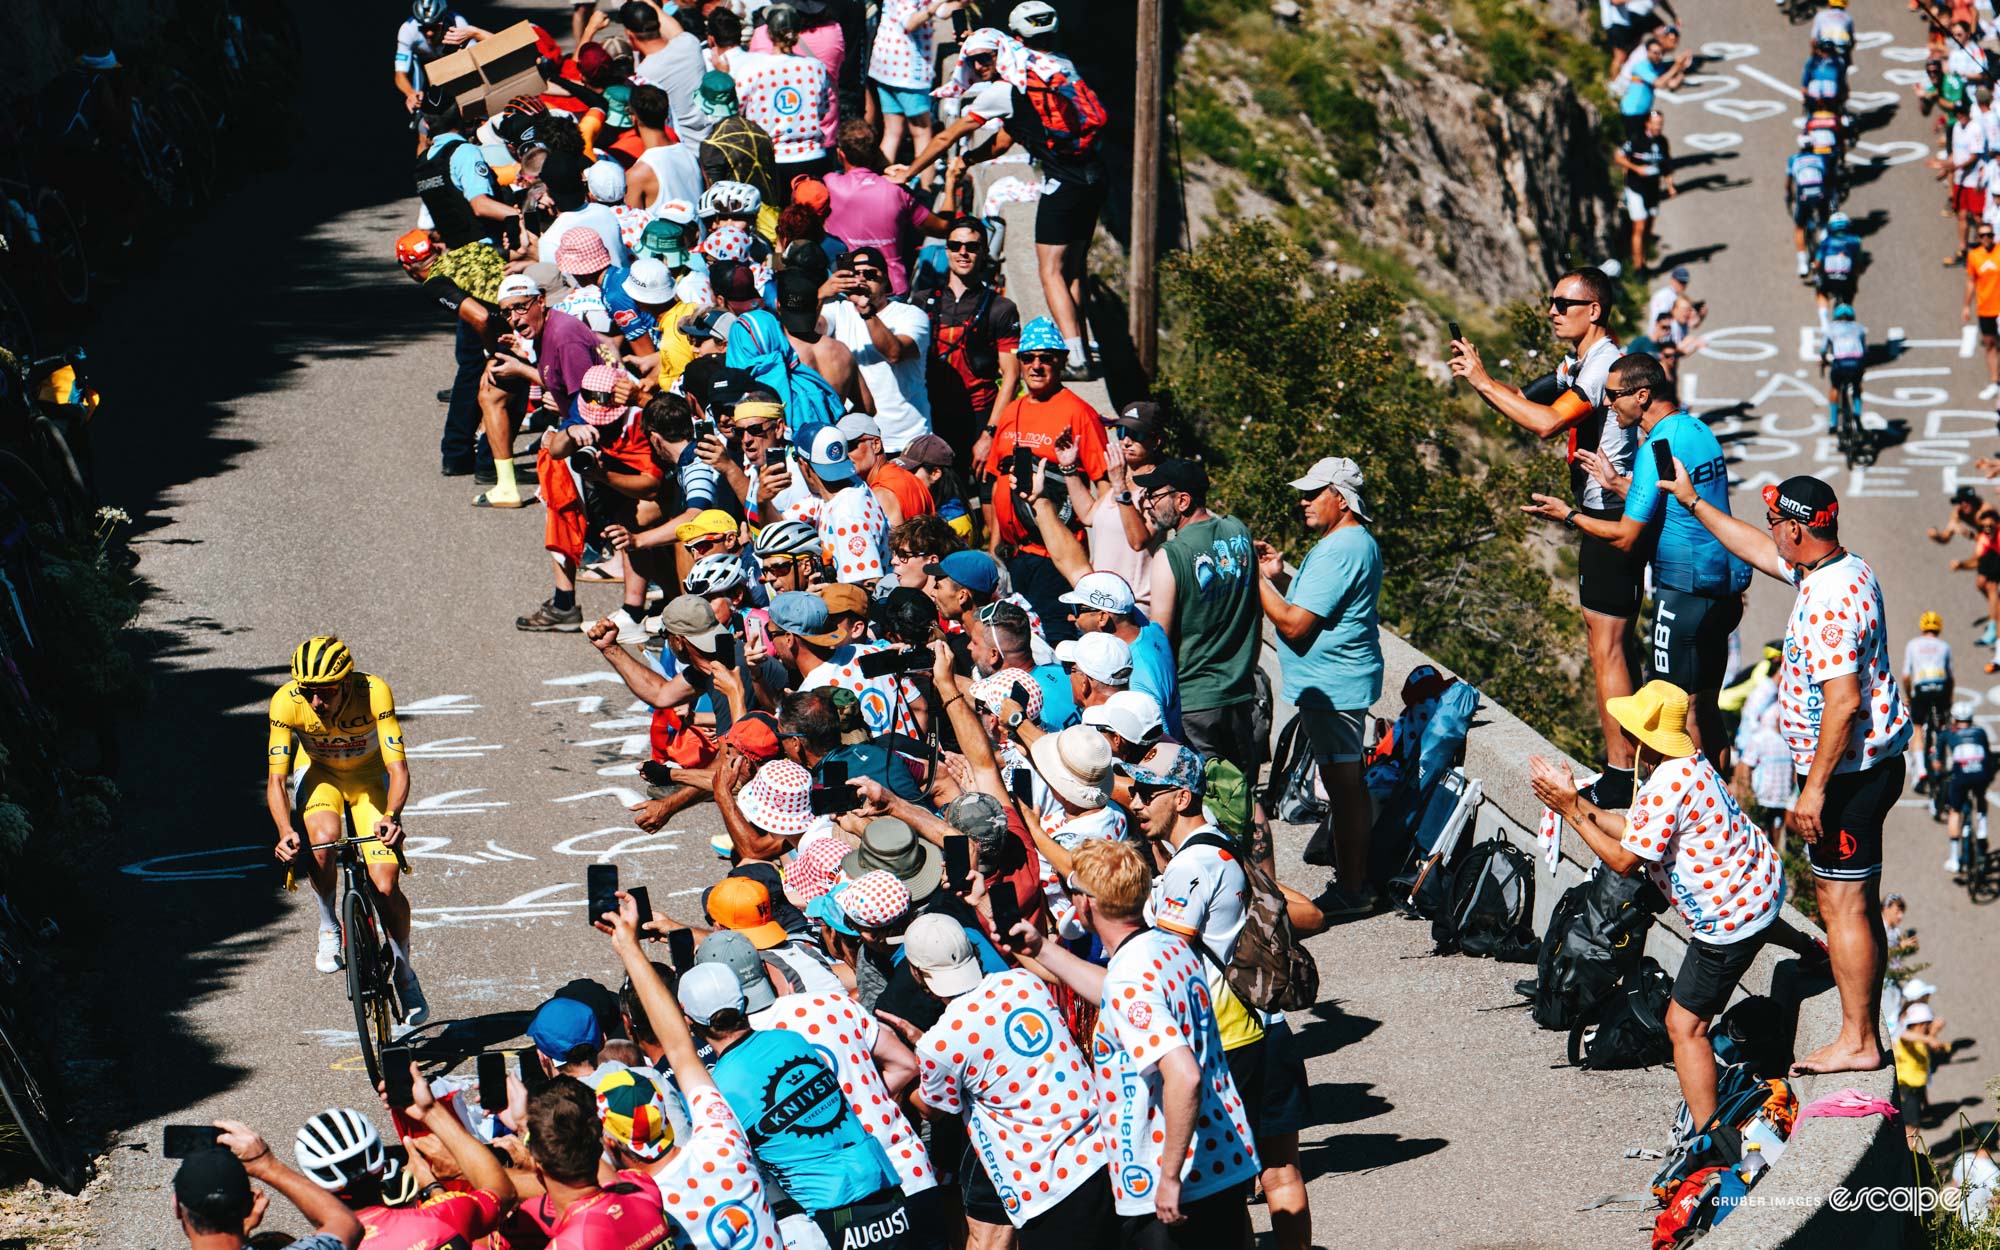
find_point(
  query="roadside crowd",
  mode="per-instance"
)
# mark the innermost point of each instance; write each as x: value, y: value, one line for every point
x: 969, y: 671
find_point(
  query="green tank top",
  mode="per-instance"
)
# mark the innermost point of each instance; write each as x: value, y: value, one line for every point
x: 1216, y: 613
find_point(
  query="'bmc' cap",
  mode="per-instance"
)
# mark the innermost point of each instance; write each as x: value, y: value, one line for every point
x: 1806, y: 500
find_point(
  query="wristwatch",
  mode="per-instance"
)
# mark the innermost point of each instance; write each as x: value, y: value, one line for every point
x: 1014, y: 719
x: 1570, y: 520
x: 1123, y: 496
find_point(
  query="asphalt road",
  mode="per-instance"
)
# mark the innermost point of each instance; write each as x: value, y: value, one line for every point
x: 1758, y: 384
x: 271, y: 427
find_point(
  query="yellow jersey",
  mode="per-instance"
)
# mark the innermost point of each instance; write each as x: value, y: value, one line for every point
x: 362, y: 735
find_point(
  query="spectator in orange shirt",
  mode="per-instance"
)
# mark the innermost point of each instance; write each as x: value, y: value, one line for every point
x: 1049, y: 413
x: 1982, y: 296
x: 898, y: 490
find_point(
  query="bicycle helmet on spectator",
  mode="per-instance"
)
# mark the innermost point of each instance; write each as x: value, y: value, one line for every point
x: 718, y: 574
x: 1930, y: 623
x: 1843, y: 312
x: 321, y: 660
x: 1031, y: 19
x: 736, y: 199
x: 789, y: 538
x: 338, y: 1147
x: 1963, y: 709
x: 429, y: 12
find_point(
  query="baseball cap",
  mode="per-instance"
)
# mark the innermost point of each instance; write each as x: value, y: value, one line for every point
x: 1804, y: 499
x: 1101, y: 657
x: 634, y: 1111
x: 1143, y: 418
x: 1168, y: 766
x: 744, y: 906
x: 732, y: 280
x: 803, y: 615
x: 731, y: 950
x: 414, y: 246
x: 561, y: 1025
x: 756, y: 735
x: 861, y: 255
x: 843, y: 599
x: 978, y: 816
x: 812, y: 193
x: 858, y: 425
x: 927, y: 451
x: 212, y: 1184
x: 874, y: 900
x: 937, y: 947
x: 1680, y: 273
x: 706, y: 523
x: 710, y: 323
x: 1133, y: 715
x: 1340, y: 473
x: 517, y: 286
x: 728, y: 386
x: 605, y: 180
x: 1104, y: 592
x: 691, y: 619
x: 1174, y: 473
x: 826, y: 450
x: 798, y: 302
x: 974, y: 570
x: 649, y: 281
x: 707, y: 990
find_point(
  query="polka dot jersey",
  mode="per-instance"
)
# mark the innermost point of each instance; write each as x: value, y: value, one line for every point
x: 1838, y: 626
x: 1704, y: 853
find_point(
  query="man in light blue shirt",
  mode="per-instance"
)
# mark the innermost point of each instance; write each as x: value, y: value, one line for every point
x: 1330, y: 656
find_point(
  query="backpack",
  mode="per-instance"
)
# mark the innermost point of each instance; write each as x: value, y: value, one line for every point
x: 1745, y: 1109
x: 1689, y: 1212
x: 1070, y: 113
x: 1292, y: 795
x: 1490, y: 907
x: 1755, y: 1034
x: 1268, y: 970
x: 1631, y: 1030
x: 1594, y: 939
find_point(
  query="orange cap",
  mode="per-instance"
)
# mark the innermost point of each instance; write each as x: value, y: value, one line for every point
x: 414, y: 246
x: 744, y: 905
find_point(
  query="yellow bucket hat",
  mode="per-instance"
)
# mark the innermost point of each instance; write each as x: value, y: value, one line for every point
x: 1657, y: 716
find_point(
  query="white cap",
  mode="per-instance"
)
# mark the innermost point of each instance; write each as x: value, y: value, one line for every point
x: 1917, y: 987
x: 707, y: 989
x: 858, y: 425
x: 1105, y: 592
x: 1340, y: 473
x: 605, y: 181
x: 1133, y: 715
x: 1101, y: 657
x: 937, y: 947
x: 515, y: 286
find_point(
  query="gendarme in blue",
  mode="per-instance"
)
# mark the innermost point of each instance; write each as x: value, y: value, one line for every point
x: 1686, y: 557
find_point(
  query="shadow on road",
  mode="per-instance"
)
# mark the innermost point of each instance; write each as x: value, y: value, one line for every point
x: 1363, y: 1152
x: 1329, y: 1029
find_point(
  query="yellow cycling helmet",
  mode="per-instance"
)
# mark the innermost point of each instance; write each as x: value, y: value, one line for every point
x: 1930, y: 623
x: 1838, y: 4
x: 321, y: 660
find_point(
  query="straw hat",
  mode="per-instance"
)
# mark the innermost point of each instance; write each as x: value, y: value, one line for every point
x: 1656, y: 714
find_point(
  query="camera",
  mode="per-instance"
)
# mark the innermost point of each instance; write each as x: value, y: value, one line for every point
x: 890, y: 661
x: 586, y: 459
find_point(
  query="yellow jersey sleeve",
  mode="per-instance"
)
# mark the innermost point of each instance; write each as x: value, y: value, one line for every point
x: 278, y: 753
x: 388, y: 731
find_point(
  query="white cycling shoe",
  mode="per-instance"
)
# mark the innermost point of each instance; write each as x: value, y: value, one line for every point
x: 416, y: 1008
x: 328, y: 957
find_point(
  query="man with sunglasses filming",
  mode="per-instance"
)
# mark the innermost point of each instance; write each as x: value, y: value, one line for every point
x: 1571, y: 401
x: 1697, y: 585
x: 1844, y: 718
x: 975, y: 331
x: 344, y: 720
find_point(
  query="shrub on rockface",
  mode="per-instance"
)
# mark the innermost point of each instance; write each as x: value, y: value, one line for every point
x: 1272, y: 365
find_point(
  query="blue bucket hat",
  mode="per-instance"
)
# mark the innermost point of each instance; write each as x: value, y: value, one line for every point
x: 1041, y: 335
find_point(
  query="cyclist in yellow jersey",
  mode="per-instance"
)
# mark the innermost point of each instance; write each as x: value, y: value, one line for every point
x: 344, y: 722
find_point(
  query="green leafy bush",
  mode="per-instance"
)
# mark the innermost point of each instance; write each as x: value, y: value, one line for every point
x: 1272, y: 365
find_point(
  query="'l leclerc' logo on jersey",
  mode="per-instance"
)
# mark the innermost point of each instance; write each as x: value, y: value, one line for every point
x: 731, y: 1227
x: 1138, y: 1180
x: 1028, y: 1031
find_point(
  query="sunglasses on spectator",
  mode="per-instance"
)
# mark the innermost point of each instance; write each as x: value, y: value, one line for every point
x: 1069, y: 883
x: 869, y: 275
x: 599, y: 397
x: 1563, y: 305
x: 1772, y: 520
x: 705, y: 542
x: 979, y: 58
x: 1620, y: 392
x: 1047, y: 358
x: 759, y: 429
x: 964, y: 245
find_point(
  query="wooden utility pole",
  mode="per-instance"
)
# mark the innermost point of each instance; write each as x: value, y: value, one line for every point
x: 1143, y: 289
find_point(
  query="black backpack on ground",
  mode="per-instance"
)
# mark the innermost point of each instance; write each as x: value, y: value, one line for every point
x: 1489, y: 907
x: 1631, y: 1027
x: 1595, y: 939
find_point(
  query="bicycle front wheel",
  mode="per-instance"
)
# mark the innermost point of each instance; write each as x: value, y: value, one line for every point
x: 28, y: 1093
x: 367, y: 981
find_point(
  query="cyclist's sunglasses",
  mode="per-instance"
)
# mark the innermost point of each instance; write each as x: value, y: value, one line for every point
x: 785, y: 565
x: 1563, y: 305
x: 320, y: 689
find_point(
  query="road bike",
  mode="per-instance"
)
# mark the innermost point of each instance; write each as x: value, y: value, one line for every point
x: 1855, y: 443
x: 1936, y: 768
x: 43, y: 1131
x: 1973, y: 860
x: 364, y: 947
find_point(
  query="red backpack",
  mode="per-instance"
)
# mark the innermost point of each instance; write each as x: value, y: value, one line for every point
x: 1070, y: 113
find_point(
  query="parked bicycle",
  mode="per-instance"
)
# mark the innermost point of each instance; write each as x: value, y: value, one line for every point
x: 45, y: 1136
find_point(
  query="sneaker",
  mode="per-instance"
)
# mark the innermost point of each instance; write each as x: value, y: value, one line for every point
x: 630, y: 632
x: 327, y: 959
x: 444, y: 396
x: 722, y: 846
x: 1992, y: 391
x: 456, y: 468
x: 416, y: 1008
x: 1986, y: 638
x: 1951, y: 861
x: 1337, y: 904
x: 548, y: 618
x: 1078, y: 373
x: 485, y: 475
x: 1802, y: 259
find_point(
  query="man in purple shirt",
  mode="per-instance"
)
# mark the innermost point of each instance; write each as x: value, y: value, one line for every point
x: 871, y: 211
x: 562, y: 348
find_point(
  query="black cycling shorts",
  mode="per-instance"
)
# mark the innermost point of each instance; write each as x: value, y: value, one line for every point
x: 1989, y: 327
x: 1926, y: 702
x: 1068, y: 214
x: 1608, y: 581
x: 1806, y: 212
x: 1850, y: 841
x: 1962, y: 784
x: 1691, y: 637
x: 1989, y: 566
x: 1839, y: 290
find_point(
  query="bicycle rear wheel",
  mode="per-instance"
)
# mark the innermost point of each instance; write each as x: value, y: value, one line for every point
x: 367, y: 981
x: 28, y: 1091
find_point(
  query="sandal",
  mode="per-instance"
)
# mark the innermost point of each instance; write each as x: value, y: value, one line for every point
x: 484, y: 500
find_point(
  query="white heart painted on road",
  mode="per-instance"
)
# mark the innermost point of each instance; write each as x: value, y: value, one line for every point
x: 1701, y: 87
x: 1869, y: 101
x: 1907, y: 55
x: 1905, y: 77
x: 1899, y: 152
x: 1728, y: 51
x: 1745, y: 110
x: 1717, y: 142
x: 1872, y: 39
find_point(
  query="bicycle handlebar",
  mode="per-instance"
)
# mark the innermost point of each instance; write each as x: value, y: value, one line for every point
x: 292, y: 867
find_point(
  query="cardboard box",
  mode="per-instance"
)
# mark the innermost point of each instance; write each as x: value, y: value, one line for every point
x: 481, y: 79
